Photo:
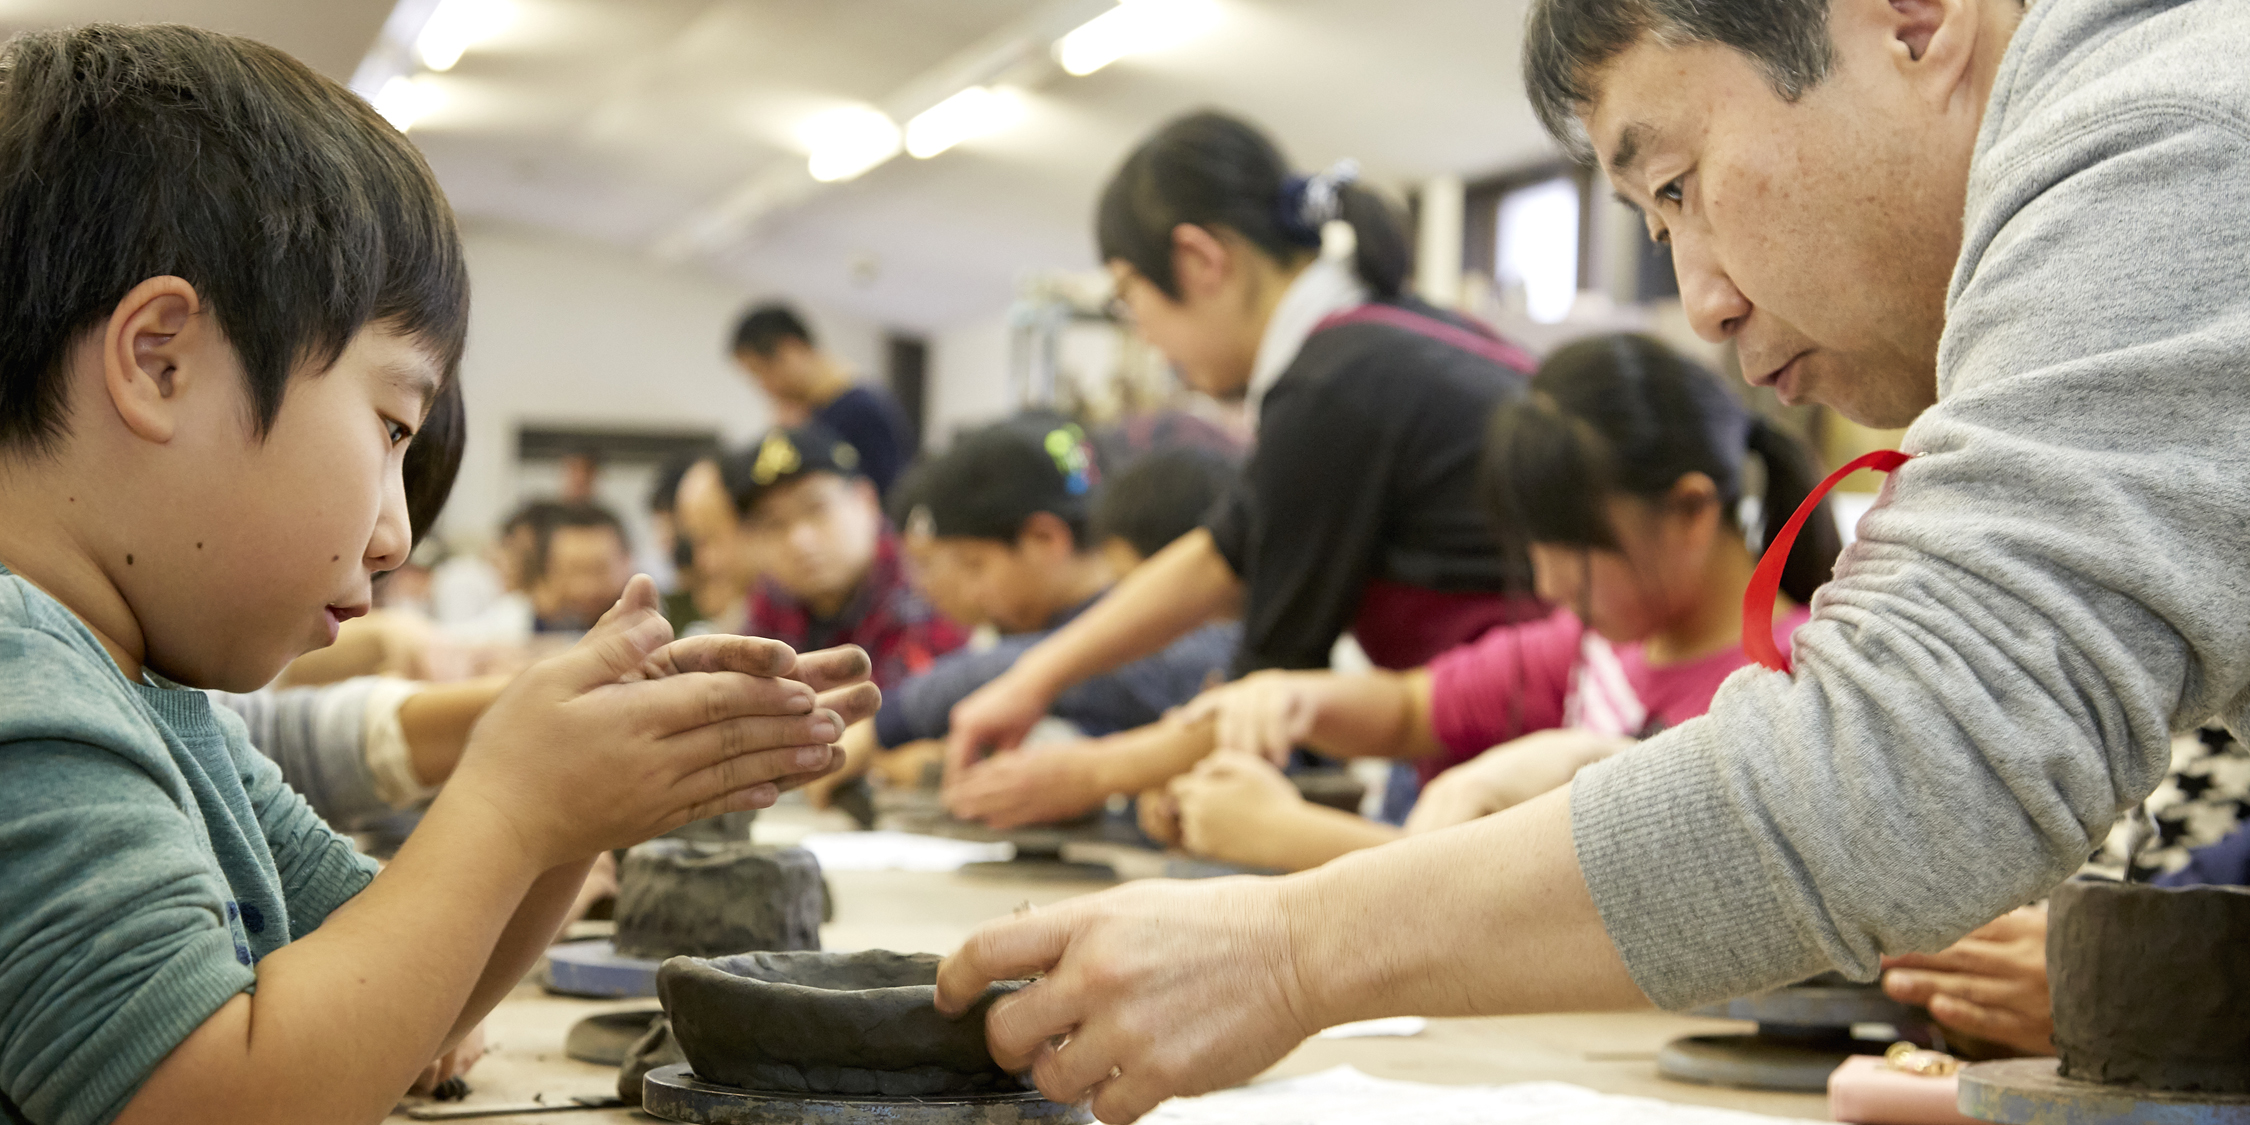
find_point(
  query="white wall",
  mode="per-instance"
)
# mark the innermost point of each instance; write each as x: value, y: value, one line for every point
x: 565, y: 331
x: 968, y: 377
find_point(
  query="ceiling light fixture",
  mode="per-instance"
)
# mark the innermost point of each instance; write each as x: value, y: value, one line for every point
x: 403, y: 101
x: 847, y: 142
x: 1130, y: 28
x: 458, y: 25
x: 972, y: 113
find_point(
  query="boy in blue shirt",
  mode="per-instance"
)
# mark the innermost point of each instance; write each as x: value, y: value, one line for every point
x: 228, y: 295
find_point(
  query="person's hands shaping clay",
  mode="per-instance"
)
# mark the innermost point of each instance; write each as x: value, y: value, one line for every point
x: 1224, y: 807
x: 1149, y: 991
x: 996, y: 716
x: 1020, y: 787
x: 682, y: 731
x: 1991, y: 985
x: 1265, y: 713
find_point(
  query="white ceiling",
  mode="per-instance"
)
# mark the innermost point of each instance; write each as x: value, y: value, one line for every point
x: 625, y: 120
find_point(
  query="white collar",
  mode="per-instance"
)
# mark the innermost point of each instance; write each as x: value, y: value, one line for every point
x: 1326, y: 287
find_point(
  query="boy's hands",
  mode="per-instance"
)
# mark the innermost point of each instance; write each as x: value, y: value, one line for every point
x: 629, y: 734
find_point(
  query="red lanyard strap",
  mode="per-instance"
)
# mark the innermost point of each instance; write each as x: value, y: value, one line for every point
x: 1765, y: 582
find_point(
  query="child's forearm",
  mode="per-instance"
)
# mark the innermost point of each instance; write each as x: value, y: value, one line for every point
x: 522, y: 943
x: 344, y: 1019
x: 436, y: 722
x: 1378, y: 715
x: 1303, y: 836
x: 1146, y: 757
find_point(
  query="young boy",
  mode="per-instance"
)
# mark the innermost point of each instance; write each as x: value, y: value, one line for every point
x: 228, y: 294
x: 579, y: 568
x: 1007, y: 511
x: 798, y: 511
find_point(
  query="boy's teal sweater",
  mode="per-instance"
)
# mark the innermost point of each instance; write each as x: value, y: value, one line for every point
x: 148, y: 858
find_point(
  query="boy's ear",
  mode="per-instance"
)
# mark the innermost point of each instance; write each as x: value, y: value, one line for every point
x: 1047, y: 533
x: 146, y: 355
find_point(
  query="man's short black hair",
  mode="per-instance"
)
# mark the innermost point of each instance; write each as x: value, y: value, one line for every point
x: 1161, y: 496
x: 1566, y: 44
x: 762, y: 330
x: 995, y: 478
x: 560, y: 516
x: 297, y: 213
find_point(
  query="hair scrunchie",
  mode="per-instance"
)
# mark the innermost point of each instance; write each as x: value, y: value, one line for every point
x: 1309, y: 203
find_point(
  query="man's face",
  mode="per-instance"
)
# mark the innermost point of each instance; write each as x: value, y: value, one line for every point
x: 1819, y: 235
x: 786, y: 374
x: 587, y: 569
x: 704, y: 515
x: 816, y: 536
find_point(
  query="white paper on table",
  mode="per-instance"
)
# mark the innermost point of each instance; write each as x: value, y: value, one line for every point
x: 1345, y: 1096
x: 1389, y: 1026
x: 900, y: 851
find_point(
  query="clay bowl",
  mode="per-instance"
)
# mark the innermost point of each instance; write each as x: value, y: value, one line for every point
x: 2150, y: 985
x: 836, y: 1023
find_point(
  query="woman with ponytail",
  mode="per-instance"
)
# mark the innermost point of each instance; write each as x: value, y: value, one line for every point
x: 1623, y: 474
x: 1358, y: 509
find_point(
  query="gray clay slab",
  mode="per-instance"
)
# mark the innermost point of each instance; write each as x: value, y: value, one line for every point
x: 674, y: 1093
x: 2029, y: 1092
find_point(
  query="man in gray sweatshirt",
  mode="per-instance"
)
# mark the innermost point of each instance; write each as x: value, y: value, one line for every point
x: 2030, y: 222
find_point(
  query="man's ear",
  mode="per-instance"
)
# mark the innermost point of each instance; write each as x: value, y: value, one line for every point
x: 147, y: 355
x: 1930, y: 41
x: 1201, y: 261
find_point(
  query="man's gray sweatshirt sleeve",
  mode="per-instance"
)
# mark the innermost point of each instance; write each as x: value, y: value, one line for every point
x: 2058, y: 580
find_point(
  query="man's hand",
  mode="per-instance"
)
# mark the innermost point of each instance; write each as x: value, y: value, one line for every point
x: 1508, y: 775
x: 1152, y: 990
x: 996, y: 716
x: 626, y: 736
x: 1265, y: 713
x: 1991, y: 984
x: 1019, y: 787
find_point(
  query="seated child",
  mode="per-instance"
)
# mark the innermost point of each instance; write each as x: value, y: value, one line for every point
x: 797, y: 512
x: 232, y: 292
x: 1624, y: 470
x: 1002, y: 521
x: 579, y: 566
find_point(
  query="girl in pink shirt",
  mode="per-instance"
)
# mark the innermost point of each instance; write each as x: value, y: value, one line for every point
x: 1624, y: 471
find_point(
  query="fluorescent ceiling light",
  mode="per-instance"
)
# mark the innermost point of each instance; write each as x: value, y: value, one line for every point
x: 972, y: 113
x: 402, y: 101
x: 847, y: 142
x: 458, y: 25
x: 1130, y: 28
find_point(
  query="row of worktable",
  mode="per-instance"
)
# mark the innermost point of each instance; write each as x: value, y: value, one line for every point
x: 928, y: 911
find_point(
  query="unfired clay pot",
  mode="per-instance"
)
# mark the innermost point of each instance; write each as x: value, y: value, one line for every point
x: 2151, y: 985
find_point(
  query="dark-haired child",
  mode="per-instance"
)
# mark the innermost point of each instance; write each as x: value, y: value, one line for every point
x: 229, y: 293
x: 1017, y: 523
x: 796, y: 510
x: 579, y: 568
x: 1623, y: 471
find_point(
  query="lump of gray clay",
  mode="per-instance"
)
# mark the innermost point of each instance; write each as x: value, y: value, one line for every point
x: 830, y: 1023
x: 2151, y: 988
x: 679, y: 898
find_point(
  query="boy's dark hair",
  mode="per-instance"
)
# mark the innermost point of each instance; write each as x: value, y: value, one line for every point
x: 1212, y: 170
x: 996, y: 477
x: 560, y: 516
x: 1624, y: 415
x: 297, y: 213
x: 433, y: 458
x: 664, y: 492
x: 1566, y: 43
x: 762, y: 330
x: 784, y: 455
x: 1162, y: 496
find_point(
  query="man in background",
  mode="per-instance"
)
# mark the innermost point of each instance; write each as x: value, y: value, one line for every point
x: 806, y: 384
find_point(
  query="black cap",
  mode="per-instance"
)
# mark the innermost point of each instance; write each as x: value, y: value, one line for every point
x: 783, y: 455
x: 993, y: 479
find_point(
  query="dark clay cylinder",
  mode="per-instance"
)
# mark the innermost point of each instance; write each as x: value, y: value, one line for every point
x: 2151, y: 985
x: 678, y: 898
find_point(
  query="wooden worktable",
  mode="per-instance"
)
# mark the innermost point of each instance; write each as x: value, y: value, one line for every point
x: 1612, y: 1053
